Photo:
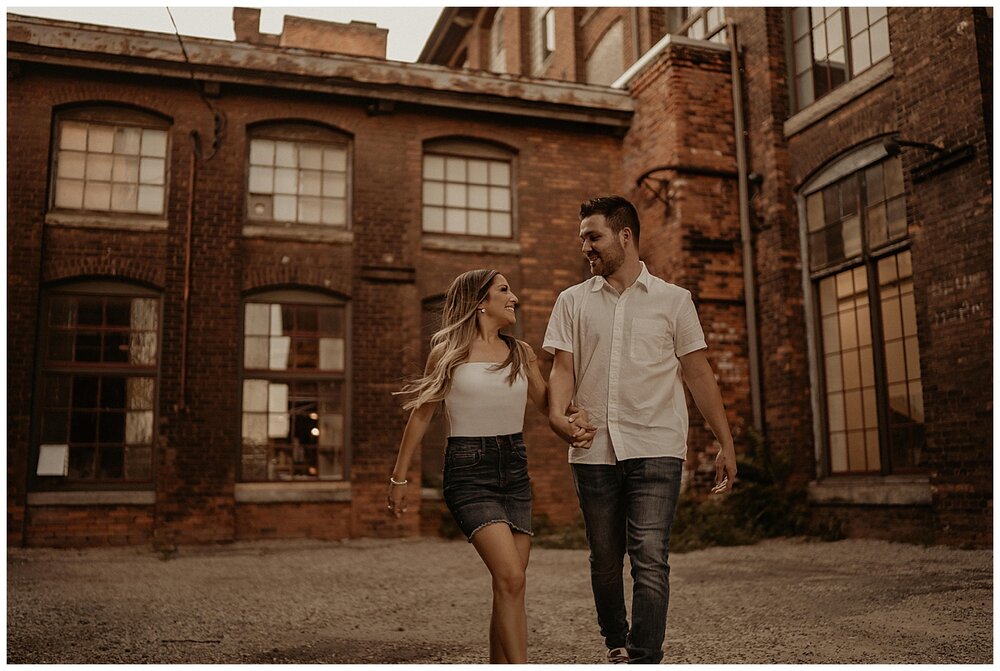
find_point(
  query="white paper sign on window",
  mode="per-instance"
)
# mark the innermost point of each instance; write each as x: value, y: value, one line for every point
x: 53, y: 460
x: 277, y: 411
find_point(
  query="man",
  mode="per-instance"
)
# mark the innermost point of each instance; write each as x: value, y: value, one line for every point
x: 622, y: 341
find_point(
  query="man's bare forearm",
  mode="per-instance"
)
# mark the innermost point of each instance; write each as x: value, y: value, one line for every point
x: 560, y: 394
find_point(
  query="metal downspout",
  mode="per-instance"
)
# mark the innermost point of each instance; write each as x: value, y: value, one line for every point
x: 746, y: 235
x: 186, y: 303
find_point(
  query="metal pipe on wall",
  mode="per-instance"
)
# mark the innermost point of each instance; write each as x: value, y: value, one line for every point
x: 746, y: 235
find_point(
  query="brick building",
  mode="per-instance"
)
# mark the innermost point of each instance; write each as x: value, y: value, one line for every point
x: 223, y: 256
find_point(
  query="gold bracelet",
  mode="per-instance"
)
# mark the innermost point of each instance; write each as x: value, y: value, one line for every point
x: 394, y: 481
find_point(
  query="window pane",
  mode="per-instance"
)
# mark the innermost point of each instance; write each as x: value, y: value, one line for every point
x: 479, y: 197
x: 800, y: 21
x: 139, y: 393
x: 255, y: 352
x: 880, y: 40
x: 262, y: 152
x: 838, y: 452
x: 310, y: 157
x: 877, y: 232
x: 454, y: 195
x: 261, y: 180
x: 154, y: 143
x: 72, y: 164
x: 834, y: 376
x: 310, y: 210
x: 285, y: 155
x: 55, y: 427
x: 334, y: 212
x: 500, y: 199
x: 254, y: 395
x: 284, y: 208
x: 500, y: 224
x: 100, y: 139
x: 479, y: 223
x: 285, y: 181
x: 334, y: 185
x: 111, y: 427
x: 896, y: 216
x: 835, y: 31
x: 858, y: 19
x: 82, y: 463
x: 126, y: 169
x: 454, y: 221
x: 455, y: 169
x: 335, y: 159
x: 69, y: 194
x: 434, y: 167
x: 499, y: 173
x: 433, y: 193
x: 127, y: 140
x: 97, y: 196
x: 99, y: 167
x: 138, y: 462
x: 331, y: 354
x: 151, y: 171
x: 478, y: 172
x: 861, y: 57
x: 279, y: 351
x: 804, y: 90
x: 434, y: 219
x: 150, y: 199
x: 73, y: 136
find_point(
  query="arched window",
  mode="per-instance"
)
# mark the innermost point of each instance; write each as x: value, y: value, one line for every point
x: 97, y: 386
x: 110, y: 160
x: 299, y: 174
x: 295, y: 363
x: 861, y: 284
x: 468, y: 189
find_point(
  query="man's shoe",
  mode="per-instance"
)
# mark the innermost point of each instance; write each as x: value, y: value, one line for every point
x: 618, y: 656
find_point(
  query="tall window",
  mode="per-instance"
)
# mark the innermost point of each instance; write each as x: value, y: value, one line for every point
x: 467, y: 189
x: 607, y: 61
x: 833, y: 44
x: 110, y: 161
x: 861, y: 270
x: 98, y: 382
x: 294, y: 388
x: 298, y: 174
x: 707, y: 23
x: 498, y: 51
x: 548, y: 32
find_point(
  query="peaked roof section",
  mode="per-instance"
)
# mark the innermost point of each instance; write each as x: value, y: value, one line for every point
x: 142, y: 52
x: 447, y: 34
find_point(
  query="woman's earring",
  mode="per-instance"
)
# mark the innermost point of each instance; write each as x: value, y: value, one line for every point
x: 482, y: 309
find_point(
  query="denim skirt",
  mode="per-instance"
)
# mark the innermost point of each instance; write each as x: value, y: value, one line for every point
x: 486, y: 481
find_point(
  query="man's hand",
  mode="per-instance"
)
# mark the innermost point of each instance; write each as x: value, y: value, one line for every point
x: 584, y: 431
x: 725, y: 470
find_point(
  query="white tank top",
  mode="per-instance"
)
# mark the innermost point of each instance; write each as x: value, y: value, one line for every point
x: 481, y: 403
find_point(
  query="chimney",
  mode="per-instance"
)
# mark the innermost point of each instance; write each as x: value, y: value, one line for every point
x: 246, y: 25
x: 357, y: 38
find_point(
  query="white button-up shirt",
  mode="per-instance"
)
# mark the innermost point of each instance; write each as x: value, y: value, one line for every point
x: 626, y: 350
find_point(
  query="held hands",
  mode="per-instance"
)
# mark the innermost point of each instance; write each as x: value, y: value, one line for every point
x: 725, y: 470
x: 581, y: 431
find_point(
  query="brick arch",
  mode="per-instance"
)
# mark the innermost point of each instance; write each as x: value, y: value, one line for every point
x: 105, y: 267
x: 306, y: 278
x: 99, y: 105
x: 431, y: 141
x: 835, y: 155
x: 315, y: 124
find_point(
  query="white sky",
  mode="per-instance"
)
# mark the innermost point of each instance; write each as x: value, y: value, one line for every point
x: 408, y: 26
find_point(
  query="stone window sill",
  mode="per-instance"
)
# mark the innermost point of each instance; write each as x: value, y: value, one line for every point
x: 892, y: 490
x: 102, y: 221
x: 300, y: 232
x: 292, y: 492
x: 447, y: 243
x: 92, y: 498
x: 839, y: 97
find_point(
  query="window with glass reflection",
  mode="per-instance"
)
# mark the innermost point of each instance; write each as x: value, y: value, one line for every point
x: 110, y: 162
x: 294, y: 396
x: 867, y: 323
x: 298, y: 174
x: 467, y: 190
x: 98, y: 384
x: 831, y: 45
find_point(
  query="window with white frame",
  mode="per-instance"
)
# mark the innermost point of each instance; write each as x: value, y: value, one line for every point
x: 299, y: 174
x: 110, y: 161
x: 831, y: 45
x: 294, y: 388
x: 498, y: 51
x: 861, y: 271
x: 467, y: 190
x: 98, y: 378
x: 548, y: 32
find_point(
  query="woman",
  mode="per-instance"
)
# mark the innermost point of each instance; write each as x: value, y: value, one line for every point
x: 484, y: 378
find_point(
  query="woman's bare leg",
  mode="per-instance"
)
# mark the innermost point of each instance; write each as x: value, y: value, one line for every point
x: 523, y: 544
x: 496, y: 545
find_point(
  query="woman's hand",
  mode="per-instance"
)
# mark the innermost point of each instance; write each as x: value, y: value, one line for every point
x: 396, y: 499
x: 584, y: 431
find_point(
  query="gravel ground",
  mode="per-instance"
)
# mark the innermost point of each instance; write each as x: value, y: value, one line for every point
x: 428, y: 601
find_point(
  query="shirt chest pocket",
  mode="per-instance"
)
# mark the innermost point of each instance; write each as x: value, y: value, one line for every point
x: 648, y: 340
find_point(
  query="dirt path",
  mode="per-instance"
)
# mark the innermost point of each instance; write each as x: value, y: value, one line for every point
x: 428, y: 601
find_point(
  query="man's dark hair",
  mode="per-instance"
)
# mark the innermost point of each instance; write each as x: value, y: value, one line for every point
x: 617, y: 211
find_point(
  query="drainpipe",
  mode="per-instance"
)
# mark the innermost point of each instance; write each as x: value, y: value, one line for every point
x: 185, y: 305
x: 636, y: 50
x: 749, y: 291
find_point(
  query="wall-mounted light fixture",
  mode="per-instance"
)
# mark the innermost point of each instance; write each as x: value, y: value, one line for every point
x: 943, y: 158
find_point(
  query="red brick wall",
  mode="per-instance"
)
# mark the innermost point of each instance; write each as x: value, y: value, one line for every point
x: 79, y: 526
x: 197, y: 445
x: 322, y: 521
x: 940, y: 100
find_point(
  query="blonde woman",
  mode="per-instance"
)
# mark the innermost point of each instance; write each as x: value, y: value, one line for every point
x: 484, y: 379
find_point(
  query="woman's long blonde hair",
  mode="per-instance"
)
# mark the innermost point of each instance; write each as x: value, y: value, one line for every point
x: 450, y: 345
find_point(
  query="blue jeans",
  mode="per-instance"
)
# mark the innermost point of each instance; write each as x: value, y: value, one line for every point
x: 630, y: 507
